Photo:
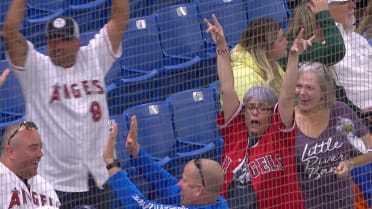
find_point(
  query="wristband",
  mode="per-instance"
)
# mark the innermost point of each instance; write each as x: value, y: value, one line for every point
x: 115, y: 163
x: 222, y: 51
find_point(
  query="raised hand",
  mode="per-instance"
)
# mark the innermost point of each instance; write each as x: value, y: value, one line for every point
x: 216, y: 31
x: 300, y: 45
x: 3, y: 76
x: 132, y: 141
x: 318, y: 5
x: 109, y: 150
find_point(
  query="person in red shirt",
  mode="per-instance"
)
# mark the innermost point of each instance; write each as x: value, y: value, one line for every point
x: 259, y: 134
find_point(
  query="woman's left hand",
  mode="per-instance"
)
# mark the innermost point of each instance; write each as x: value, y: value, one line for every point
x: 343, y: 168
x: 299, y: 44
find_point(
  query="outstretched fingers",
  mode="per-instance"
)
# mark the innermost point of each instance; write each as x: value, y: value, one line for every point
x: 132, y: 139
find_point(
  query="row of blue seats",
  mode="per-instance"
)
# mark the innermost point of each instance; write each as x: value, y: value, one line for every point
x: 165, y: 53
x: 176, y: 129
x: 170, y: 50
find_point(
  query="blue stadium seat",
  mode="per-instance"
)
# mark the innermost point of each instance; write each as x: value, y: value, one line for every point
x: 91, y: 15
x: 142, y: 53
x: 180, y: 35
x: 194, y: 115
x: 276, y: 9
x: 156, y: 136
x: 3, y: 9
x: 11, y: 96
x: 230, y: 13
x: 128, y: 92
x: 39, y: 12
x: 155, y: 129
x: 362, y: 177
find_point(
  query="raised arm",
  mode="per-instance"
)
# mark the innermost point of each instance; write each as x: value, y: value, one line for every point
x: 288, y: 88
x: 15, y: 42
x: 118, y: 22
x: 230, y: 100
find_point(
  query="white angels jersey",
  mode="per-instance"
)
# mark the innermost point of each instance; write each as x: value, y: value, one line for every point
x: 14, y: 193
x: 70, y: 108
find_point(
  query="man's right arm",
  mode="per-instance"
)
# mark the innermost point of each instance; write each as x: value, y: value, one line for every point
x: 16, y: 43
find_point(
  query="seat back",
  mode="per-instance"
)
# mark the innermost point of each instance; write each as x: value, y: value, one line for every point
x: 91, y: 15
x: 155, y: 129
x: 141, y: 45
x: 179, y: 29
x: 230, y: 13
x: 194, y: 115
x: 275, y: 9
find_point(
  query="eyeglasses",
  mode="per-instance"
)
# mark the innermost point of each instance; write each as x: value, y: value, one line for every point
x: 197, y: 163
x: 27, y: 124
x: 251, y: 107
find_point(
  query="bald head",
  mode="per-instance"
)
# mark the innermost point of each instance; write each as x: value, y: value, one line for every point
x: 212, y: 175
x: 21, y: 149
x: 7, y: 133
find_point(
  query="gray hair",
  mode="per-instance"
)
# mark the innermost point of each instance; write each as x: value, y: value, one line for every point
x: 261, y: 93
x: 325, y: 79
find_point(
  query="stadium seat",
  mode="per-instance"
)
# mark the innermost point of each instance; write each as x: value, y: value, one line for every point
x: 275, y: 9
x: 362, y: 177
x: 39, y: 12
x: 128, y: 92
x: 155, y: 129
x: 142, y: 53
x: 91, y: 15
x: 156, y: 136
x: 11, y: 96
x: 230, y: 13
x: 180, y: 35
x: 194, y: 115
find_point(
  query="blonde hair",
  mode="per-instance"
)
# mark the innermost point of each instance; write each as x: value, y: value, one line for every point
x: 257, y: 39
x: 365, y: 24
x: 302, y: 17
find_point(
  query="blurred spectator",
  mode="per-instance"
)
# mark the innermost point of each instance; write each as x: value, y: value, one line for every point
x: 199, y: 187
x: 353, y: 71
x: 365, y: 25
x: 259, y: 136
x: 328, y: 46
x: 65, y: 94
x: 254, y: 59
x: 19, y: 181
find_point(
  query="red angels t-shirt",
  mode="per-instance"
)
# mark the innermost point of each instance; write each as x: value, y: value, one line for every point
x: 271, y: 164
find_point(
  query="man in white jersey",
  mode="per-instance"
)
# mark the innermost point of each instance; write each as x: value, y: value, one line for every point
x: 354, y: 71
x: 20, y: 185
x: 65, y: 94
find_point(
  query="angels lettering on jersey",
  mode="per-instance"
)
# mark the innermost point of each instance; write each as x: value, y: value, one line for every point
x: 76, y: 90
x: 25, y: 199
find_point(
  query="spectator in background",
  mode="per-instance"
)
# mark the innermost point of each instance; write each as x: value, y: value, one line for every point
x: 254, y: 59
x: 353, y: 71
x: 365, y: 25
x: 3, y: 76
x: 199, y: 187
x: 328, y: 46
x: 20, y: 156
x: 65, y: 94
x: 259, y: 135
